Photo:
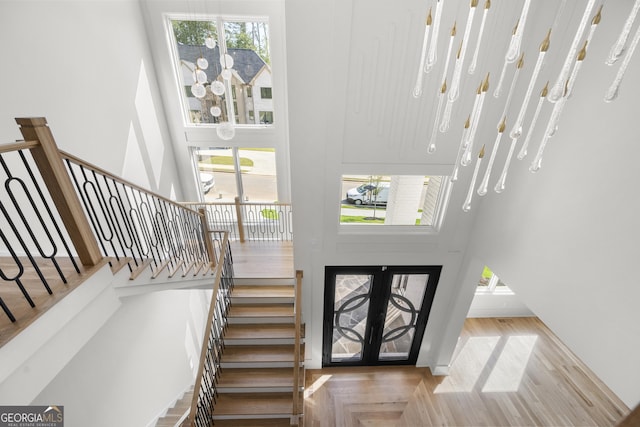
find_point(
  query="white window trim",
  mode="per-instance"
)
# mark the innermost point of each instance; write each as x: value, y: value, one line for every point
x: 433, y: 229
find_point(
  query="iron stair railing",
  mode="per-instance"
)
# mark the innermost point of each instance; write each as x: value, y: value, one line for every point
x: 55, y: 207
x: 205, y: 391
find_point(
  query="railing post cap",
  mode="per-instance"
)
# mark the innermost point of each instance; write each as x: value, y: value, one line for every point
x: 31, y: 121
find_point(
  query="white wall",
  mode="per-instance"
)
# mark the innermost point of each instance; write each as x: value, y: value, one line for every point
x: 35, y: 356
x: 322, y: 151
x: 136, y: 365
x: 86, y: 67
x: 566, y: 238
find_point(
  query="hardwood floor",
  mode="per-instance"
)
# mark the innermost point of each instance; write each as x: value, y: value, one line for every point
x: 251, y: 259
x: 20, y: 308
x: 255, y: 259
x: 505, y: 372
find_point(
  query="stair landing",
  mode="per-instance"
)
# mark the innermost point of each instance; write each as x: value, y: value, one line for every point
x: 265, y: 259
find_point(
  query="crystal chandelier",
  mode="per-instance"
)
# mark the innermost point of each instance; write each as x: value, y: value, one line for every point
x: 519, y: 128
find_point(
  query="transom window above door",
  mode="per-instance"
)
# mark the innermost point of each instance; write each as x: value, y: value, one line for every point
x: 222, y: 66
x: 393, y: 200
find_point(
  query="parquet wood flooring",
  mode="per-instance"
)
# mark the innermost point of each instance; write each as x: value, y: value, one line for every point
x: 505, y: 372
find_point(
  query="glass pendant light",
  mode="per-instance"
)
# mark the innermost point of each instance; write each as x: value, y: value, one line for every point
x: 417, y: 90
x: 482, y: 189
x: 557, y: 91
x: 454, y: 91
x: 446, y: 117
x: 467, y: 201
x: 432, y: 56
x: 198, y: 90
x: 516, y: 131
x: 618, y: 46
x: 434, y: 132
x: 612, y: 92
x: 474, y: 59
x: 523, y: 149
x: 202, y: 63
x: 456, y: 168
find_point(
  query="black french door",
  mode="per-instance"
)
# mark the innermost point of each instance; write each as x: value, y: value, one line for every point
x: 376, y: 315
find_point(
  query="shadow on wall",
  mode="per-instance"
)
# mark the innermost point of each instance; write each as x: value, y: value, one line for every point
x: 145, y: 155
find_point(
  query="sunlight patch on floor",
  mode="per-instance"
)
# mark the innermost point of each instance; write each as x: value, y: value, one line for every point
x: 473, y: 357
x: 511, y: 364
x: 317, y: 384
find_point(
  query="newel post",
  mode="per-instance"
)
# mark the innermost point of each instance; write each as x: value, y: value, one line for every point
x: 207, y: 237
x: 55, y: 176
x: 240, y: 219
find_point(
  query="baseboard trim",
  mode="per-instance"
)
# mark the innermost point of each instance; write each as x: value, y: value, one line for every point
x: 439, y: 370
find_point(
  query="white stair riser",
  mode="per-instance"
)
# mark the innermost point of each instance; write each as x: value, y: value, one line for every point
x: 259, y: 319
x: 234, y: 365
x: 255, y: 389
x: 261, y: 300
x: 251, y: 417
x: 259, y: 341
x: 275, y: 281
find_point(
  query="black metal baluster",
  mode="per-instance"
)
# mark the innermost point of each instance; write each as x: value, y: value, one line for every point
x: 36, y: 211
x: 16, y: 278
x: 26, y: 251
x: 49, y: 212
x: 83, y: 199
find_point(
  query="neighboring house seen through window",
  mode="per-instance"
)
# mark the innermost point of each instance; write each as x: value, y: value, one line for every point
x: 200, y: 67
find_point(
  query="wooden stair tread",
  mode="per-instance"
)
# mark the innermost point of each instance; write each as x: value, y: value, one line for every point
x: 175, y: 413
x: 253, y: 404
x: 256, y: 422
x: 261, y: 310
x: 260, y: 331
x: 257, y: 377
x: 260, y: 291
x: 258, y: 353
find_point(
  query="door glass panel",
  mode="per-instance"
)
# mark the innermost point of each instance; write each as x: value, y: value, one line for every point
x: 405, y: 303
x: 351, y: 306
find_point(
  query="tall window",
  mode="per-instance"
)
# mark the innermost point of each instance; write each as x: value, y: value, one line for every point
x: 226, y: 173
x: 215, y: 57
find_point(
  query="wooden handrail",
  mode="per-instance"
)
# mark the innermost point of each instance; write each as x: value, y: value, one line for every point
x: 54, y: 174
x: 240, y: 219
x: 88, y: 165
x: 18, y: 145
x: 207, y: 331
x: 296, y: 356
x: 207, y: 239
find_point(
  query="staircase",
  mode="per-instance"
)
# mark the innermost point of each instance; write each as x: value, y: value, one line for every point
x: 256, y: 381
x: 87, y: 217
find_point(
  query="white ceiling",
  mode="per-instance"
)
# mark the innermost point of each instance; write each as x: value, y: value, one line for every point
x: 383, y: 58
